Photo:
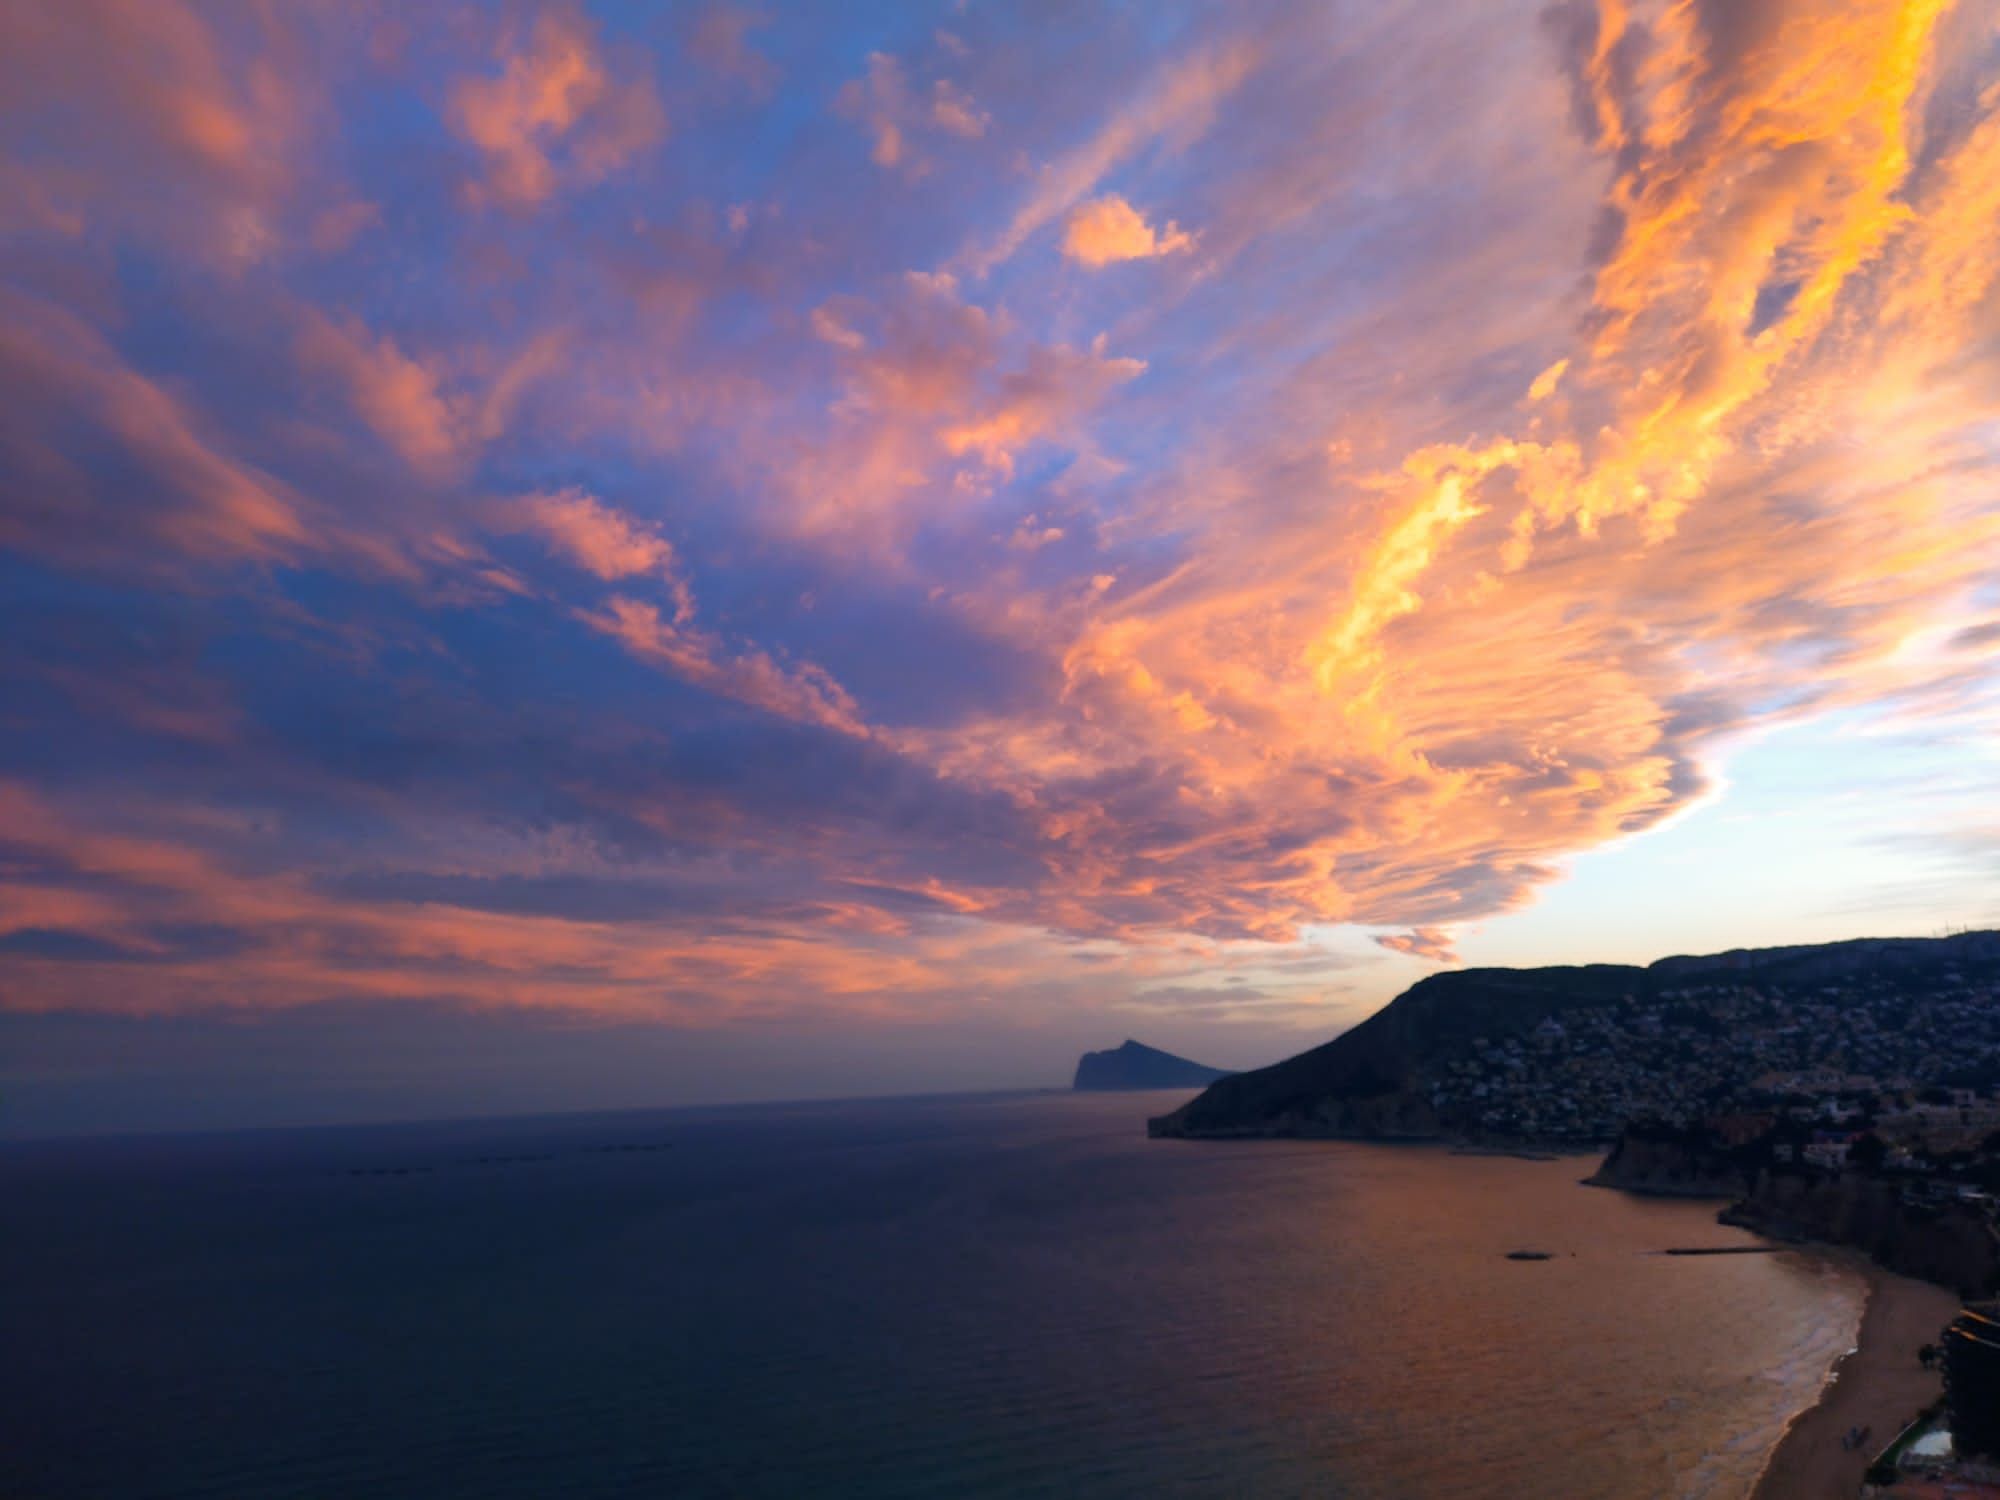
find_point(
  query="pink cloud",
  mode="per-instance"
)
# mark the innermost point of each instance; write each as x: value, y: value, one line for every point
x: 128, y: 879
x: 1431, y: 944
x: 1054, y: 387
x: 881, y: 100
x: 58, y: 375
x: 139, y: 94
x: 436, y: 412
x: 398, y: 395
x: 938, y: 395
x: 1107, y: 230
x: 555, y: 111
x: 896, y: 115
x: 1178, y: 106
x: 953, y: 110
x: 1355, y: 618
x: 596, y: 537
x: 801, y: 692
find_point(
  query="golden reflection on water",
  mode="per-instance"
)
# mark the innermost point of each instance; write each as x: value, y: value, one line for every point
x: 1608, y: 1370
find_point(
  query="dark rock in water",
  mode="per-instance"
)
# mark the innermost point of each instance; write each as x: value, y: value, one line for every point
x: 1137, y: 1066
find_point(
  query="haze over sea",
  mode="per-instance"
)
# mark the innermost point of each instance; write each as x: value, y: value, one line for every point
x: 975, y: 1295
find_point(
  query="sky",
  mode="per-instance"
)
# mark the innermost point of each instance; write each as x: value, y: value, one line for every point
x: 562, y: 555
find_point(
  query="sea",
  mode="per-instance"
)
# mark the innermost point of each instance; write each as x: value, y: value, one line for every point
x: 987, y: 1295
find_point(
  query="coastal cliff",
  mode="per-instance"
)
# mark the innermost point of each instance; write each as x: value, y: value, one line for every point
x: 1947, y: 1243
x: 1137, y: 1066
x: 1924, y: 1230
x: 1664, y: 1162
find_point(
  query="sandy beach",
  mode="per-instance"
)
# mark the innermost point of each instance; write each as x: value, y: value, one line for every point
x: 1879, y: 1385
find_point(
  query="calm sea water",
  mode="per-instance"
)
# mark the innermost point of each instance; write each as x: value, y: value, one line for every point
x: 999, y: 1295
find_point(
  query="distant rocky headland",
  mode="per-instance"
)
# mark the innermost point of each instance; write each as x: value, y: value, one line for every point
x: 1137, y: 1066
x: 1846, y: 1092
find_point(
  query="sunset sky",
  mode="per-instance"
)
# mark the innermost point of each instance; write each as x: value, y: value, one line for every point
x: 566, y: 555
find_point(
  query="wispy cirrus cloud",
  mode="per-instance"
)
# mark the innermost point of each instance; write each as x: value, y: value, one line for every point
x: 78, y: 413
x: 398, y: 395
x: 806, y: 693
x: 1432, y: 944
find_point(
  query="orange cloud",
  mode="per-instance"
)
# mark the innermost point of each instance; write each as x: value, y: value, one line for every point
x: 597, y: 538
x: 1178, y: 107
x: 130, y: 895
x: 1107, y: 230
x: 123, y: 886
x: 1355, y: 618
x: 1740, y: 499
x: 1432, y: 944
x: 554, y: 111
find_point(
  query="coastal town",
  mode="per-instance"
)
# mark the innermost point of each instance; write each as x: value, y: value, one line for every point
x: 1915, y: 1055
x: 1861, y: 1109
x: 1841, y: 1094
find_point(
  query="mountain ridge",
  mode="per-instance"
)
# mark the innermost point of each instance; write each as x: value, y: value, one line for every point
x: 1381, y: 1079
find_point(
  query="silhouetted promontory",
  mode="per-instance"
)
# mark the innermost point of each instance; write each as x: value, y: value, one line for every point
x: 1137, y: 1066
x: 1573, y: 1054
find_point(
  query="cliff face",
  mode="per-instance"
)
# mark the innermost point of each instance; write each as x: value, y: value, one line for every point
x: 1942, y: 1242
x: 1945, y: 1243
x: 1671, y: 1164
x: 1137, y: 1066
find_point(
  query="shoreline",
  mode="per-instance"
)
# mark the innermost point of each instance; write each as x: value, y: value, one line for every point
x: 1878, y: 1384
